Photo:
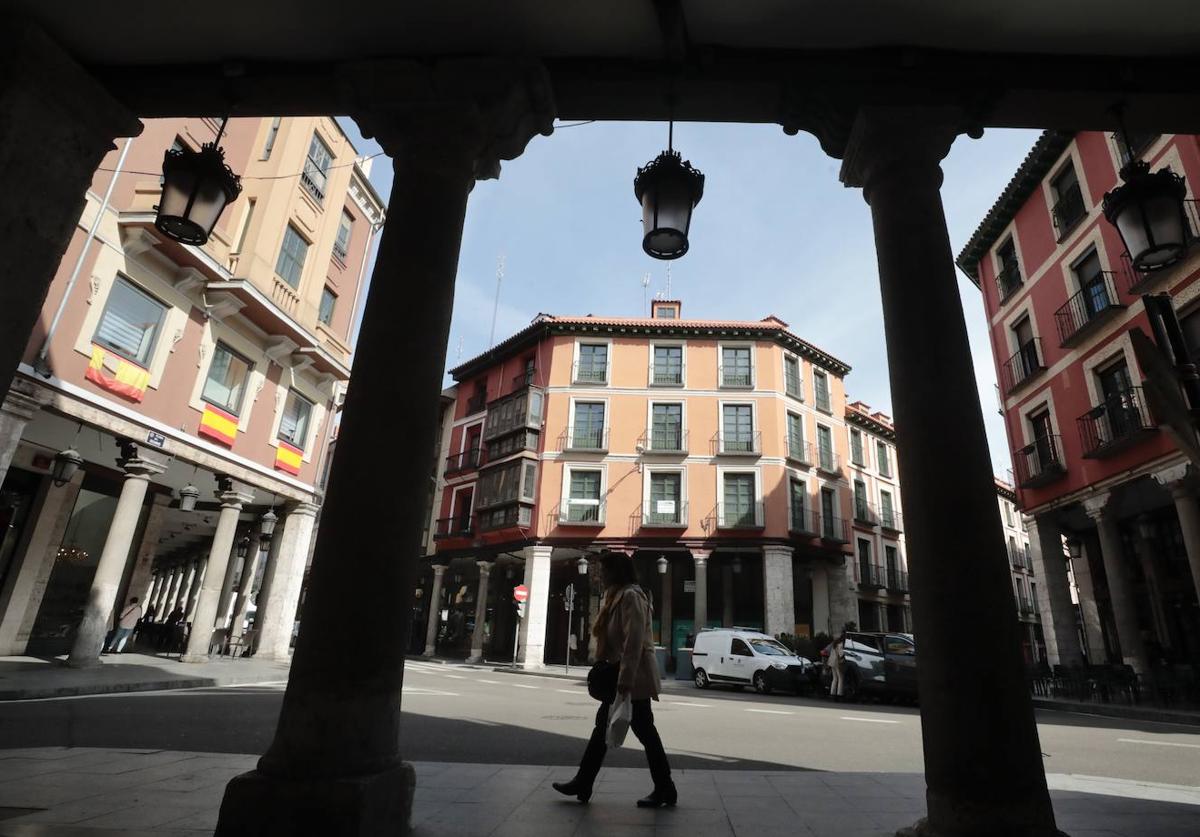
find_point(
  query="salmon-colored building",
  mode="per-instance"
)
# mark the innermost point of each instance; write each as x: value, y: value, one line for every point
x: 185, y: 374
x: 717, y: 453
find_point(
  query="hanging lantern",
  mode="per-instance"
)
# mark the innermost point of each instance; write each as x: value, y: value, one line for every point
x: 668, y: 188
x: 1148, y: 211
x: 737, y: 563
x: 243, y: 546
x: 66, y: 463
x: 662, y: 565
x: 266, y: 524
x: 197, y: 186
x: 187, y: 497
x: 72, y: 552
x: 582, y: 565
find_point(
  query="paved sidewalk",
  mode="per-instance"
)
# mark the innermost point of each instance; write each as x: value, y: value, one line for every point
x: 1141, y: 712
x: 25, y: 678
x: 60, y: 792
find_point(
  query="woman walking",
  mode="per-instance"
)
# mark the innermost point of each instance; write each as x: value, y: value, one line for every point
x: 836, y: 660
x: 623, y: 636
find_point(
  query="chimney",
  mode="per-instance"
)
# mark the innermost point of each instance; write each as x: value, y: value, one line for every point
x: 666, y: 309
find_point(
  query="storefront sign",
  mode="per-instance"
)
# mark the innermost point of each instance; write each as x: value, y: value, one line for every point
x: 158, y: 440
x: 665, y: 506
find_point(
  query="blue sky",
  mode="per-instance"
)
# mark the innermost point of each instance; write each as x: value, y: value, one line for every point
x: 775, y: 233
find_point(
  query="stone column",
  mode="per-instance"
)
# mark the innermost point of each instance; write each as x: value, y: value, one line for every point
x: 18, y: 407
x: 665, y: 613
x: 1054, y: 592
x: 336, y: 764
x: 270, y: 569
x: 59, y: 123
x: 726, y: 594
x: 183, y: 592
x: 820, y: 599
x: 1150, y: 573
x: 532, y: 653
x: 225, y: 600
x: 1120, y: 596
x: 200, y: 570
x: 282, y: 583
x: 232, y: 497
x: 1089, y: 611
x: 435, y: 611
x: 97, y: 613
x: 843, y: 603
x: 481, y: 596
x: 1182, y: 486
x: 245, y: 589
x: 143, y: 563
x: 700, y: 600
x: 156, y: 591
x: 982, y: 778
x: 779, y: 593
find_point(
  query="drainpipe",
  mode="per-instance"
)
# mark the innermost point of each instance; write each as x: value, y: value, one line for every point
x: 41, y: 365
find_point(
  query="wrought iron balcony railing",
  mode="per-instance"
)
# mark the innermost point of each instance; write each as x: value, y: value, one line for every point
x: 582, y: 512
x: 802, y: 520
x: 1086, y: 308
x: 1120, y: 420
x: 670, y: 440
x: 740, y: 516
x: 665, y: 376
x: 1008, y: 281
x: 476, y: 403
x: 590, y: 375
x: 897, y: 580
x: 891, y: 520
x: 870, y: 576
x: 1068, y: 211
x: 828, y: 461
x: 454, y: 527
x: 665, y: 514
x: 586, y: 439
x: 834, y: 529
x: 864, y: 513
x: 463, y: 461
x: 1025, y: 363
x: 799, y: 450
x: 737, y: 378
x: 738, y: 444
x: 1040, y: 462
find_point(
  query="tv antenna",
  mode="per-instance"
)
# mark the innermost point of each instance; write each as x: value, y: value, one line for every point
x: 669, y: 281
x: 496, y: 304
x: 645, y: 285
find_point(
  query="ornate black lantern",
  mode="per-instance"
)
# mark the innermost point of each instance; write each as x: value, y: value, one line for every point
x: 187, y: 497
x: 266, y: 525
x: 243, y: 546
x: 197, y: 186
x: 668, y: 188
x: 66, y: 463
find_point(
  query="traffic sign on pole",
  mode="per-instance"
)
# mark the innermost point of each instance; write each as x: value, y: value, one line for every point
x: 520, y: 593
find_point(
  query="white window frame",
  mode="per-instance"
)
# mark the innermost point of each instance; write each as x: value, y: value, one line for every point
x: 880, y: 491
x: 828, y: 388
x: 736, y: 344
x: 799, y: 374
x: 457, y: 490
x: 683, y: 488
x: 256, y: 381
x: 817, y: 444
x: 571, y: 420
x: 683, y: 423
x: 790, y: 474
x: 754, y: 427
x: 565, y: 496
x: 608, y: 367
x: 891, y: 460
x: 759, y: 510
x: 787, y: 437
x: 864, y: 437
x: 680, y: 344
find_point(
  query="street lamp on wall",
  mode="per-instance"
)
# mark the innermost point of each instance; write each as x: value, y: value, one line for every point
x: 668, y: 188
x: 662, y: 564
x: 1075, y: 548
x: 582, y: 565
x: 197, y: 186
x: 66, y: 463
x: 266, y: 525
x: 187, y: 497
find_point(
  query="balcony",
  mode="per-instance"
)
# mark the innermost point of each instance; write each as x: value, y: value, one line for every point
x: 590, y: 374
x: 737, y: 378
x: 454, y: 527
x: 1068, y: 211
x: 575, y: 512
x: 510, y: 514
x: 741, y: 516
x: 864, y: 514
x: 1008, y: 281
x: 828, y: 461
x: 664, y: 441
x: 802, y: 453
x: 1111, y: 427
x: 890, y: 520
x: 664, y: 514
x: 584, y: 440
x: 465, y: 461
x: 1025, y: 364
x: 1136, y: 281
x: 1083, y: 312
x: 804, y: 521
x: 897, y: 580
x: 665, y: 376
x: 476, y: 403
x: 835, y: 529
x: 1027, y: 608
x: 870, y: 577
x: 309, y: 181
x: 737, y: 444
x: 1040, y: 463
x: 525, y: 379
x: 1019, y: 558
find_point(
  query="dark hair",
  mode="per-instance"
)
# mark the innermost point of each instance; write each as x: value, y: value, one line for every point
x: 618, y: 569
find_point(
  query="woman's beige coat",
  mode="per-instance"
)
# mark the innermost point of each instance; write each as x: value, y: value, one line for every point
x: 629, y: 640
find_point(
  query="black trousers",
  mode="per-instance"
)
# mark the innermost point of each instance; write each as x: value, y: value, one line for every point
x: 642, y: 725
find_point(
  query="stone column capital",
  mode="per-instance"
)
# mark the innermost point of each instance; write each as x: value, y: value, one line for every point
x: 777, y: 549
x: 302, y: 509
x: 234, y: 499
x: 1097, y: 508
x: 891, y: 141
x: 701, y: 556
x: 1179, y: 479
x: 136, y: 466
x: 485, y: 567
x: 439, y: 570
x: 23, y: 400
x: 451, y: 113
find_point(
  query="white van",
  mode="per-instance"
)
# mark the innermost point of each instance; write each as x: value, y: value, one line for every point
x: 742, y: 657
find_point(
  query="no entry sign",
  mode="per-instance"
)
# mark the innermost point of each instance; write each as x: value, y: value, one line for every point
x: 520, y: 593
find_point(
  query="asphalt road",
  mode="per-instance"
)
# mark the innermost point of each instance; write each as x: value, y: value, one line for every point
x: 473, y: 714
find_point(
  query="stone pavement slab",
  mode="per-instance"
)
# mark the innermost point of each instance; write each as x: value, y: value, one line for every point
x: 27, y: 678
x: 91, y: 792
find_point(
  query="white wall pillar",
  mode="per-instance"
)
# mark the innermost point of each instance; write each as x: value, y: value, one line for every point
x: 245, y: 588
x: 1057, y: 611
x: 277, y: 613
x: 481, y: 596
x: 1120, y: 596
x: 700, y: 599
x: 533, y: 626
x: 232, y: 498
x: 779, y: 596
x: 19, y: 406
x: 434, y: 619
x: 1182, y: 485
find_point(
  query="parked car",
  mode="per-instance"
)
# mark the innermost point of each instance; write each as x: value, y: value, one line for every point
x: 879, y: 664
x: 741, y: 657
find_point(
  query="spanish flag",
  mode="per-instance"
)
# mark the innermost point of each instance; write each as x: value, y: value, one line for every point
x: 218, y: 424
x: 288, y: 458
x: 115, y: 374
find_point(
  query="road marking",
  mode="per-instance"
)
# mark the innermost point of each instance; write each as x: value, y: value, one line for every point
x: 868, y: 720
x: 567, y: 691
x: 429, y: 692
x: 1158, y: 743
x: 770, y: 711
x: 491, y: 682
x: 455, y: 677
x: 523, y: 686
x: 685, y: 703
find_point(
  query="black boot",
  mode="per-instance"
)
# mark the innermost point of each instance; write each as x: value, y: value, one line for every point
x: 575, y: 788
x: 661, y: 797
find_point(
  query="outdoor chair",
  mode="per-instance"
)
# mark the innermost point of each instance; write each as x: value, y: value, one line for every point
x: 241, y: 646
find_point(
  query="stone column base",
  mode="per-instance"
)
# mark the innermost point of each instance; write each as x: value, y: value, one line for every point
x: 922, y: 828
x: 257, y: 805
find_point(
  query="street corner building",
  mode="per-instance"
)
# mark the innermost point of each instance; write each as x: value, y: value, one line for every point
x: 722, y: 455
x: 1109, y: 492
x: 164, y: 434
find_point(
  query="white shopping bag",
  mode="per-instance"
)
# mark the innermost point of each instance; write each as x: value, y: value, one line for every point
x: 619, y: 716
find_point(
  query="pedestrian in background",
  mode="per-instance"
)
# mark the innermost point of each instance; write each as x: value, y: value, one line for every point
x: 126, y: 622
x: 836, y: 660
x: 624, y: 636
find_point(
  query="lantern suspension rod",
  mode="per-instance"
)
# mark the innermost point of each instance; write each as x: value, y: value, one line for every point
x: 671, y: 135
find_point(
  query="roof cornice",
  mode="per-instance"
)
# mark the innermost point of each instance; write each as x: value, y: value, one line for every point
x: 875, y: 426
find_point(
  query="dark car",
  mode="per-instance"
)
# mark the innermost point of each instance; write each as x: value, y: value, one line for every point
x: 877, y: 664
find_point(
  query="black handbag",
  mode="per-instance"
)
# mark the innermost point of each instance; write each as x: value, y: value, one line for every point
x: 602, y: 681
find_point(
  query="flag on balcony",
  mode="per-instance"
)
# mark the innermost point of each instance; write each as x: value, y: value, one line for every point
x: 218, y: 424
x: 115, y: 374
x: 288, y: 458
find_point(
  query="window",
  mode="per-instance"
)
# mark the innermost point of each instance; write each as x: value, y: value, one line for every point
x: 798, y: 504
x: 887, y: 510
x: 821, y: 390
x: 502, y: 484
x: 664, y: 312
x: 884, y: 461
x: 290, y: 263
x: 900, y: 645
x: 795, y: 437
x: 738, y: 497
x: 866, y: 571
x: 593, y: 363
x: 829, y: 521
x: 791, y: 376
x: 176, y: 145
x: 226, y: 381
x: 522, y: 409
x: 315, y: 176
x: 668, y: 366
x: 272, y: 133
x: 1033, y: 599
x: 130, y: 323
x: 825, y: 458
x: 856, y: 448
x: 666, y: 489
x: 1045, y: 445
x: 293, y: 426
x: 1068, y: 200
x: 1007, y: 513
x: 341, y: 245
x: 1138, y: 142
x: 861, y: 508
x: 583, y: 503
x: 737, y: 368
x: 587, y: 430
x: 1093, y: 285
x: 666, y: 427
x: 530, y: 486
x: 737, y: 428
x: 1009, y: 277
x: 889, y: 553
x: 738, y: 648
x: 328, y: 301
x: 244, y: 227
